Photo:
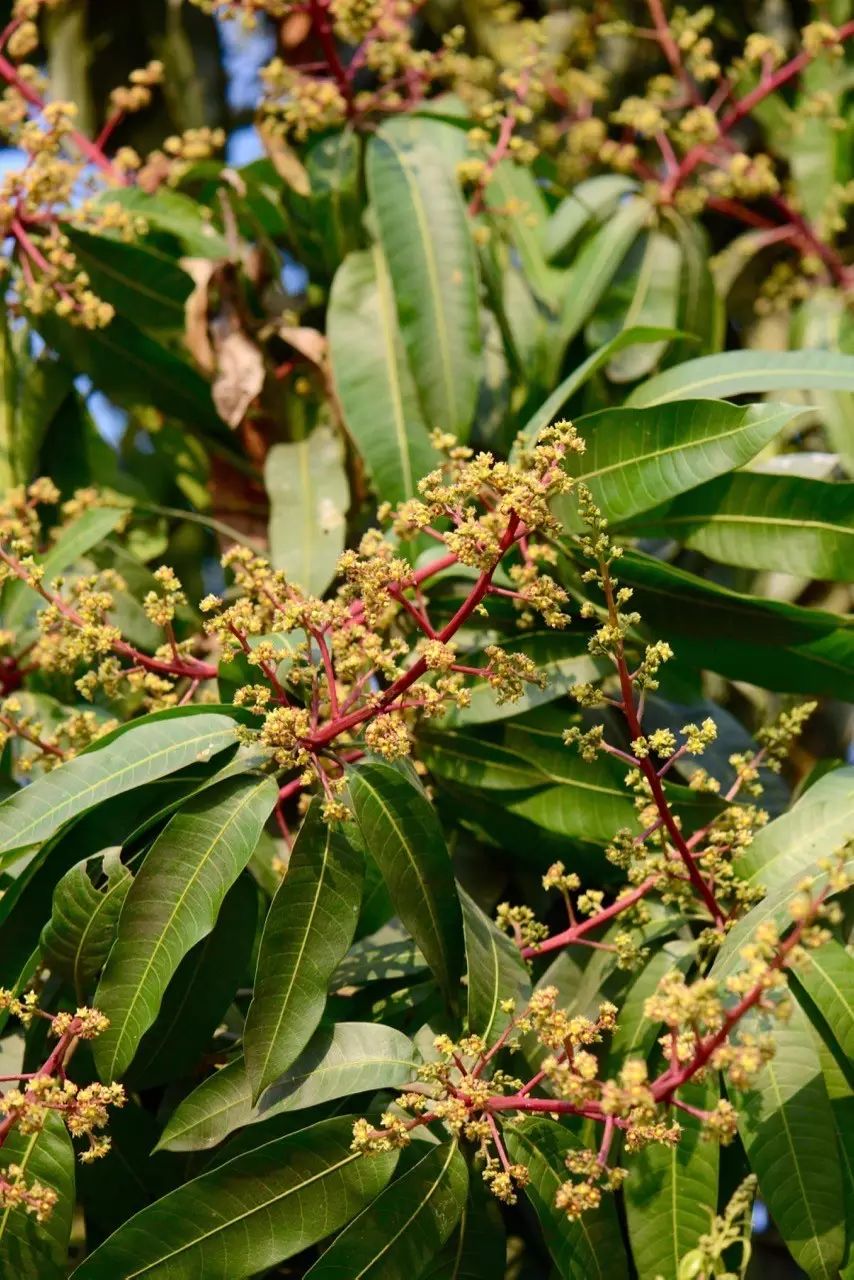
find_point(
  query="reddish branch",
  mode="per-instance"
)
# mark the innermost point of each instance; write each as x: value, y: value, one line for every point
x: 194, y: 668
x: 53, y: 1066
x: 92, y: 152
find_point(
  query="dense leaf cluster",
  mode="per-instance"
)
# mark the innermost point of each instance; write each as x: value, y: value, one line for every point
x: 425, y: 835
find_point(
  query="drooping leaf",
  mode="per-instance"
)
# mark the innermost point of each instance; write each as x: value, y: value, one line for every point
x: 425, y: 237
x: 30, y: 1250
x: 589, y: 1247
x: 762, y: 521
x: 309, y: 496
x: 735, y: 373
x: 637, y: 458
x: 145, y: 750
x: 645, y: 292
x: 826, y: 985
x: 375, y: 386
x: 596, y: 264
x: 77, y: 939
x: 786, y: 1123
x: 520, y: 212
x: 176, y: 214
x: 402, y: 833
x: 307, y: 932
x: 247, y: 1215
x: 405, y: 1227
x: 478, y: 1247
x: 473, y: 762
x: 589, y: 201
x: 671, y: 1193
x: 136, y: 279
x: 173, y: 903
x: 338, y: 1062
x: 772, y: 644
x: 817, y: 826
x: 199, y: 993
x: 134, y: 369
x: 496, y: 972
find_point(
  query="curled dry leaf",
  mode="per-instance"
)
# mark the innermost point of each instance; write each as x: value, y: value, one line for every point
x: 239, y: 379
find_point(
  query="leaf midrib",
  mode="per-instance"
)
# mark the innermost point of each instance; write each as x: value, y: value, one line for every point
x: 183, y: 745
x: 425, y: 1200
x: 201, y: 865
x: 428, y: 898
x: 256, y: 1208
x: 427, y: 241
x: 283, y: 1006
x: 387, y: 320
x: 683, y: 447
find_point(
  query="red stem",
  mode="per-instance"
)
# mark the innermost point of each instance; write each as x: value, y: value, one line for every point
x: 318, y: 11
x: 340, y: 725
x: 92, y: 152
x: 578, y: 931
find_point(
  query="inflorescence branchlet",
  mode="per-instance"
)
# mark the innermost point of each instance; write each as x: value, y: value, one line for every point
x: 471, y: 1089
x: 36, y: 1095
x: 360, y: 670
x: 528, y: 89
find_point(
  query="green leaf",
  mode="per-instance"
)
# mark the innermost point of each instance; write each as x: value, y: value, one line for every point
x: 307, y: 932
x: 199, y: 993
x: 701, y: 312
x: 516, y: 201
x: 248, y: 1214
x: 80, y: 536
x: 176, y: 214
x: 148, y: 749
x: 478, y: 1247
x: 645, y: 292
x: 671, y: 1193
x: 767, y: 642
x: 496, y: 972
x: 375, y: 959
x: 473, y: 762
x: 561, y: 656
x: 309, y: 496
x: 77, y: 939
x: 406, y: 1226
x: 735, y: 373
x: 338, y: 1062
x: 424, y: 233
x: 551, y: 408
x: 590, y: 1247
x: 817, y: 826
x: 134, y: 370
x: 136, y: 279
x: 173, y: 903
x: 758, y: 520
x: 786, y: 1124
x: 774, y: 907
x: 30, y: 1250
x: 375, y: 387
x: 596, y: 265
x: 590, y: 200
x: 827, y: 981
x: 402, y: 833
x: 637, y: 458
